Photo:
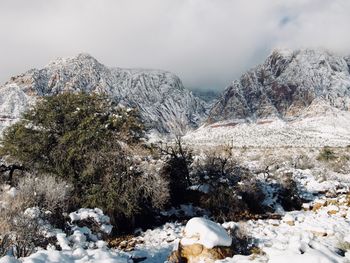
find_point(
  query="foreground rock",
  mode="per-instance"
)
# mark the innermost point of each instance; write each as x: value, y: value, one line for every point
x: 203, y: 241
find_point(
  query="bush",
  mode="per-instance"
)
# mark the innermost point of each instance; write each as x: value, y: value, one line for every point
x: 326, y: 154
x: 215, y: 167
x: 19, y: 232
x: 44, y: 191
x: 242, y: 201
x: 126, y: 190
x: 89, y: 142
x: 62, y: 133
x: 21, y: 228
x: 303, y: 162
x: 176, y: 171
x: 288, y: 194
x: 234, y: 192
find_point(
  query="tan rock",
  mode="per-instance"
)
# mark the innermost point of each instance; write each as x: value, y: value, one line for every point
x: 288, y: 219
x: 318, y: 204
x: 197, y: 253
x: 332, y: 201
x: 332, y: 209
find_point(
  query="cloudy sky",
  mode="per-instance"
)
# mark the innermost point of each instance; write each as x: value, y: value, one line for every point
x: 208, y: 43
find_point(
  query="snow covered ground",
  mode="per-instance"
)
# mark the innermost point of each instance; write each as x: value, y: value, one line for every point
x: 331, y: 129
x: 318, y: 233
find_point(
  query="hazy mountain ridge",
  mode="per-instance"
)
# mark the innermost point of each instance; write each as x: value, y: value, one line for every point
x: 285, y: 85
x: 164, y: 103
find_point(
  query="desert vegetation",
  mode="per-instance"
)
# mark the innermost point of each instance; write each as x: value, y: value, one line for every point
x: 75, y: 150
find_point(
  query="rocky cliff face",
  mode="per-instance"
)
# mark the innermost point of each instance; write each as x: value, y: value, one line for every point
x: 285, y: 86
x: 164, y: 104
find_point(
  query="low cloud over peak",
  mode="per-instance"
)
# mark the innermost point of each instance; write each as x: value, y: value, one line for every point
x: 207, y: 43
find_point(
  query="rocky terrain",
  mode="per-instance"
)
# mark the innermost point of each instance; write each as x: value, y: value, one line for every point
x: 165, y: 105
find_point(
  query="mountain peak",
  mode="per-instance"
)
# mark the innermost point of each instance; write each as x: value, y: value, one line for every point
x: 163, y: 102
x: 285, y: 85
x: 82, y: 58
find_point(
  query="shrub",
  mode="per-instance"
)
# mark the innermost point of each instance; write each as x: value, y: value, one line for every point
x: 176, y: 170
x: 326, y: 154
x: 224, y: 205
x: 242, y: 201
x: 288, y: 193
x: 303, y: 162
x: 234, y: 192
x: 214, y: 167
x: 19, y: 232
x: 242, y: 243
x: 88, y: 141
x: 21, y: 225
x: 341, y: 164
x: 343, y: 247
x: 62, y: 133
x: 5, y: 245
x: 44, y: 191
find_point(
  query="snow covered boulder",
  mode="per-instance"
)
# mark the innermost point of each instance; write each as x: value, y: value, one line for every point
x: 91, y: 223
x: 204, y: 241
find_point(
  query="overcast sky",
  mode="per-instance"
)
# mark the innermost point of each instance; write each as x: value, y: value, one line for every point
x: 208, y: 43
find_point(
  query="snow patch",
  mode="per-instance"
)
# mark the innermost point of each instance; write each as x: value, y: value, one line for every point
x: 205, y: 232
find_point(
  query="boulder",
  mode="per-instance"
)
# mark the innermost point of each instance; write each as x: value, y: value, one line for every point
x: 204, y: 241
x: 197, y: 253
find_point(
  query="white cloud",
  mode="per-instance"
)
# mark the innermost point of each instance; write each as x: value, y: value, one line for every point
x: 207, y: 43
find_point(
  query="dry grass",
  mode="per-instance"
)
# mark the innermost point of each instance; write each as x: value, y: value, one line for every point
x: 19, y: 231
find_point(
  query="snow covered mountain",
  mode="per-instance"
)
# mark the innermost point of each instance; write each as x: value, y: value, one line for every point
x: 295, y: 98
x: 285, y: 86
x: 164, y: 104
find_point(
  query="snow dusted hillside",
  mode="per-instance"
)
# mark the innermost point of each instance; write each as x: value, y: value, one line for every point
x: 164, y: 103
x: 285, y: 85
x: 318, y: 131
x: 13, y: 101
x: 296, y: 98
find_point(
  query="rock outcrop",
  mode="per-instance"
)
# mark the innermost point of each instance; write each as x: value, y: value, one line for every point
x: 204, y: 241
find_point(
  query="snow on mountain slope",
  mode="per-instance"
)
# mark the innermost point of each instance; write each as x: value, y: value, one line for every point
x: 164, y: 103
x: 296, y: 98
x: 13, y: 101
x: 307, y: 132
x: 285, y: 85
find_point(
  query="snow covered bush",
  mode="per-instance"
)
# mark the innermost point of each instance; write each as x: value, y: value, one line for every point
x: 337, y: 160
x: 303, y: 161
x: 242, y: 242
x: 90, y: 223
x: 21, y: 230
x: 238, y: 202
x: 22, y: 227
x: 5, y: 244
x: 45, y: 192
x: 154, y: 186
